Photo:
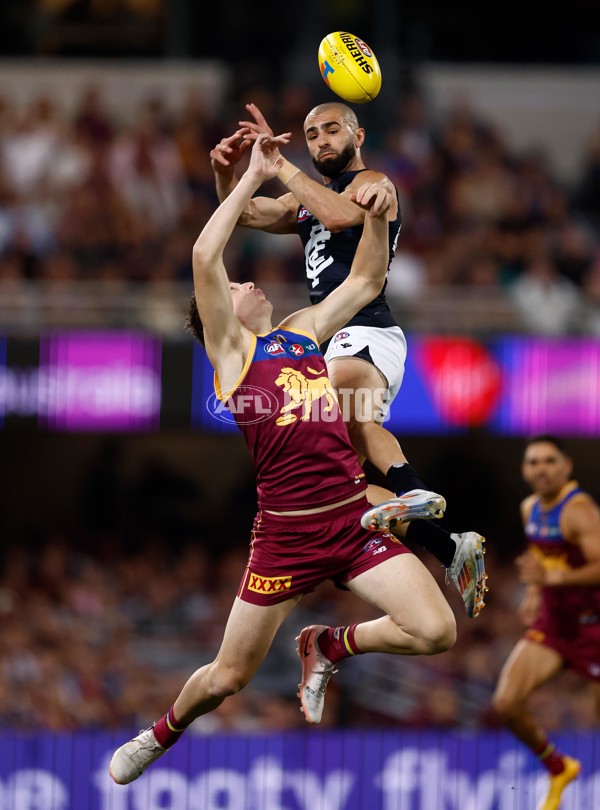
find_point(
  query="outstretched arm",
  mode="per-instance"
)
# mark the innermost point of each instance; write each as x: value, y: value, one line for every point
x: 224, y: 335
x: 262, y: 213
x: 367, y: 274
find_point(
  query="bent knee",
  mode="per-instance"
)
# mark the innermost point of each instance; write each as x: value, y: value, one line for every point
x: 505, y: 706
x: 440, y: 636
x: 224, y: 682
x: 445, y: 638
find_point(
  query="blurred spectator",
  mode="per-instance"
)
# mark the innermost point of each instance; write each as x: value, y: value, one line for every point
x: 92, y: 121
x: 592, y: 297
x: 573, y: 251
x: 587, y: 192
x: 549, y: 304
x: 120, y: 203
x: 145, y: 164
x: 29, y: 148
x: 93, y: 639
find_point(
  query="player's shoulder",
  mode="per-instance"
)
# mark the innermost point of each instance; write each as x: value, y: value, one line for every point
x: 302, y: 321
x: 527, y: 505
x: 581, y: 500
x: 368, y: 176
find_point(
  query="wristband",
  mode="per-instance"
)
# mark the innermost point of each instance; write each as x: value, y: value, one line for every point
x: 287, y: 171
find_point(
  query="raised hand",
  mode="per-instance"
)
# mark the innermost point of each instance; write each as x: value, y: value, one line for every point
x: 229, y: 151
x: 265, y: 156
x: 376, y: 198
x: 259, y: 126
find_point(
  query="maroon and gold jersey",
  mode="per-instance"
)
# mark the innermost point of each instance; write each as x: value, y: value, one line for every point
x: 287, y: 410
x: 564, y: 608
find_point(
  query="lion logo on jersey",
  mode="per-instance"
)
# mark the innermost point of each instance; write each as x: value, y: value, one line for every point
x: 302, y: 392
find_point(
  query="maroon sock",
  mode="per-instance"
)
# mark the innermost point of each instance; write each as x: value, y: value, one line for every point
x: 338, y: 642
x: 550, y: 758
x: 167, y: 730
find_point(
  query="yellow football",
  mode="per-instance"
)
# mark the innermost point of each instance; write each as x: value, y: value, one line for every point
x: 349, y: 67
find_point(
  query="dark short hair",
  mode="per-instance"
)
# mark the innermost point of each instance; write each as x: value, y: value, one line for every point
x: 193, y: 322
x: 547, y: 438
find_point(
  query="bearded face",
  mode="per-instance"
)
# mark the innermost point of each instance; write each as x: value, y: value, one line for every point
x: 334, y: 161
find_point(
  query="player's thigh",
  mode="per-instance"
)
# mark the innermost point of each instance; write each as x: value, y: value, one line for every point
x: 361, y: 387
x: 249, y: 633
x: 528, y: 666
x: 403, y: 588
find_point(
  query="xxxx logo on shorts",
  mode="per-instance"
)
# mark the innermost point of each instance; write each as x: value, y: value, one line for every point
x: 260, y: 584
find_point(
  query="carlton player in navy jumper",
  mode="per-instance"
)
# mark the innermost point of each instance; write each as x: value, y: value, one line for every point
x: 561, y: 604
x: 311, y: 488
x: 368, y: 353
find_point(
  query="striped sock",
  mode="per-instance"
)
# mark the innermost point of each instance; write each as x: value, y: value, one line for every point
x: 550, y: 758
x: 167, y: 730
x: 338, y: 642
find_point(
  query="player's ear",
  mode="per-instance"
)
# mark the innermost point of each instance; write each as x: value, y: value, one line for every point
x: 359, y: 137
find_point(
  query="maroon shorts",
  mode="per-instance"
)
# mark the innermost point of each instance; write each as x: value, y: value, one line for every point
x: 291, y: 555
x: 579, y: 648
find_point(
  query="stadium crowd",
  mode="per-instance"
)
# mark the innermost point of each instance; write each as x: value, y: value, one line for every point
x: 90, y: 196
x: 99, y: 636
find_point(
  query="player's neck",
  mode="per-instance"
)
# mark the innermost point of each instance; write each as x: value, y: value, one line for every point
x: 550, y: 499
x: 262, y: 327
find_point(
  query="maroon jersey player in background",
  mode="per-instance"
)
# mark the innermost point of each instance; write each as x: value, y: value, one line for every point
x: 561, y: 604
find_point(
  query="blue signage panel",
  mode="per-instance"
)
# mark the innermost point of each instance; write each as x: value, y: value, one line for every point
x: 312, y: 770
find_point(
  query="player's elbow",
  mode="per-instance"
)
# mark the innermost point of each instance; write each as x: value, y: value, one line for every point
x: 371, y: 288
x: 363, y: 290
x: 202, y: 255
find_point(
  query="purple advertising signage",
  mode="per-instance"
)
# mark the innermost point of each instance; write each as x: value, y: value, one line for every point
x: 312, y: 770
x: 99, y: 381
x: 550, y: 386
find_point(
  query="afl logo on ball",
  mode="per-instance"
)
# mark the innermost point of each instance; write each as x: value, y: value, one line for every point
x: 363, y: 47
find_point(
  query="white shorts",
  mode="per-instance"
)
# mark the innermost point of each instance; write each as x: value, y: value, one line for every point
x: 384, y: 347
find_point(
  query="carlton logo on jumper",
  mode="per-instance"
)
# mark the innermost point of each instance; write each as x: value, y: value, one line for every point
x: 260, y: 584
x: 247, y: 404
